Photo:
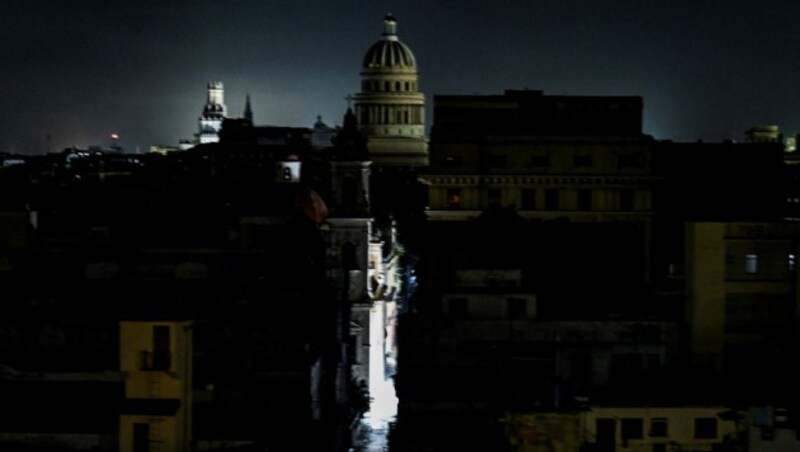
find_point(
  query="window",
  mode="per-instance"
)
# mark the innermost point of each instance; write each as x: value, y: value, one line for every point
x: 397, y: 86
x: 751, y: 263
x: 540, y: 160
x: 141, y: 437
x: 453, y: 160
x: 498, y: 161
x: 457, y: 307
x: 626, y: 200
x: 632, y: 428
x: 494, y: 196
x: 791, y: 261
x: 453, y: 198
x: 629, y: 161
x: 584, y: 199
x: 408, y: 87
x: 705, y: 428
x: 528, y: 199
x: 582, y: 161
x: 517, y: 307
x: 551, y: 199
x: 387, y: 86
x: 659, y: 427
x: 161, y: 354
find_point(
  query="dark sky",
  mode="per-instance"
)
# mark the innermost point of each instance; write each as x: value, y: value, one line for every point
x: 79, y: 70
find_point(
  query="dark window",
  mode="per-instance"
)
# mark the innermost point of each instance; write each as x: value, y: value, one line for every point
x: 498, y: 161
x: 606, y: 433
x: 660, y: 447
x: 629, y: 161
x: 494, y: 196
x: 349, y: 192
x: 584, y: 199
x: 408, y: 86
x: 457, y: 307
x: 453, y: 160
x: 517, y: 307
x: 705, y: 428
x: 659, y: 427
x: 626, y: 200
x: 582, y: 161
x: 397, y: 86
x: 551, y: 199
x: 540, y: 160
x: 528, y: 199
x: 141, y: 437
x: 387, y: 86
x: 632, y: 428
x: 161, y: 355
x: 453, y: 198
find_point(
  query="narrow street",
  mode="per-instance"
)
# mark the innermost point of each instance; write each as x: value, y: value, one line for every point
x: 383, y: 411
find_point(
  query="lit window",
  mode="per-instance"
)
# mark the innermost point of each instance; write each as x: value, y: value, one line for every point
x: 751, y: 263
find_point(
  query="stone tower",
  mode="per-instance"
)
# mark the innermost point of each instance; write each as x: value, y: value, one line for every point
x: 210, y: 121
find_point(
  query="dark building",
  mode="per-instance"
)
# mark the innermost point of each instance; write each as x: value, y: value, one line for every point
x: 191, y: 299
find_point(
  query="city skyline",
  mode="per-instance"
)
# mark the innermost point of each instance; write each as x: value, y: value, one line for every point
x: 83, y: 70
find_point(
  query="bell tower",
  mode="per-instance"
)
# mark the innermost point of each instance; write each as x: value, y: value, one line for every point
x: 210, y: 121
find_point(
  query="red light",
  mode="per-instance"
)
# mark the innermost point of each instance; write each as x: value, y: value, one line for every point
x: 114, y: 136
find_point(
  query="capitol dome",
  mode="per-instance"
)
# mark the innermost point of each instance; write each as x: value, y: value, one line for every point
x: 389, y: 52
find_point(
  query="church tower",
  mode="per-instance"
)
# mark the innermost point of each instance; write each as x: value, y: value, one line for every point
x: 210, y: 122
x: 390, y: 110
x: 248, y: 110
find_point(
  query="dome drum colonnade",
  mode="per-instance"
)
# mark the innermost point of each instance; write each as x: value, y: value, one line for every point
x: 390, y: 110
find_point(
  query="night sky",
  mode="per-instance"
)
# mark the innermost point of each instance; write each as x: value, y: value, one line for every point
x: 79, y: 70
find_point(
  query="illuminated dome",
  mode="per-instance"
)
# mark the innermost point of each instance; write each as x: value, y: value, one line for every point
x: 389, y: 52
x: 390, y: 109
